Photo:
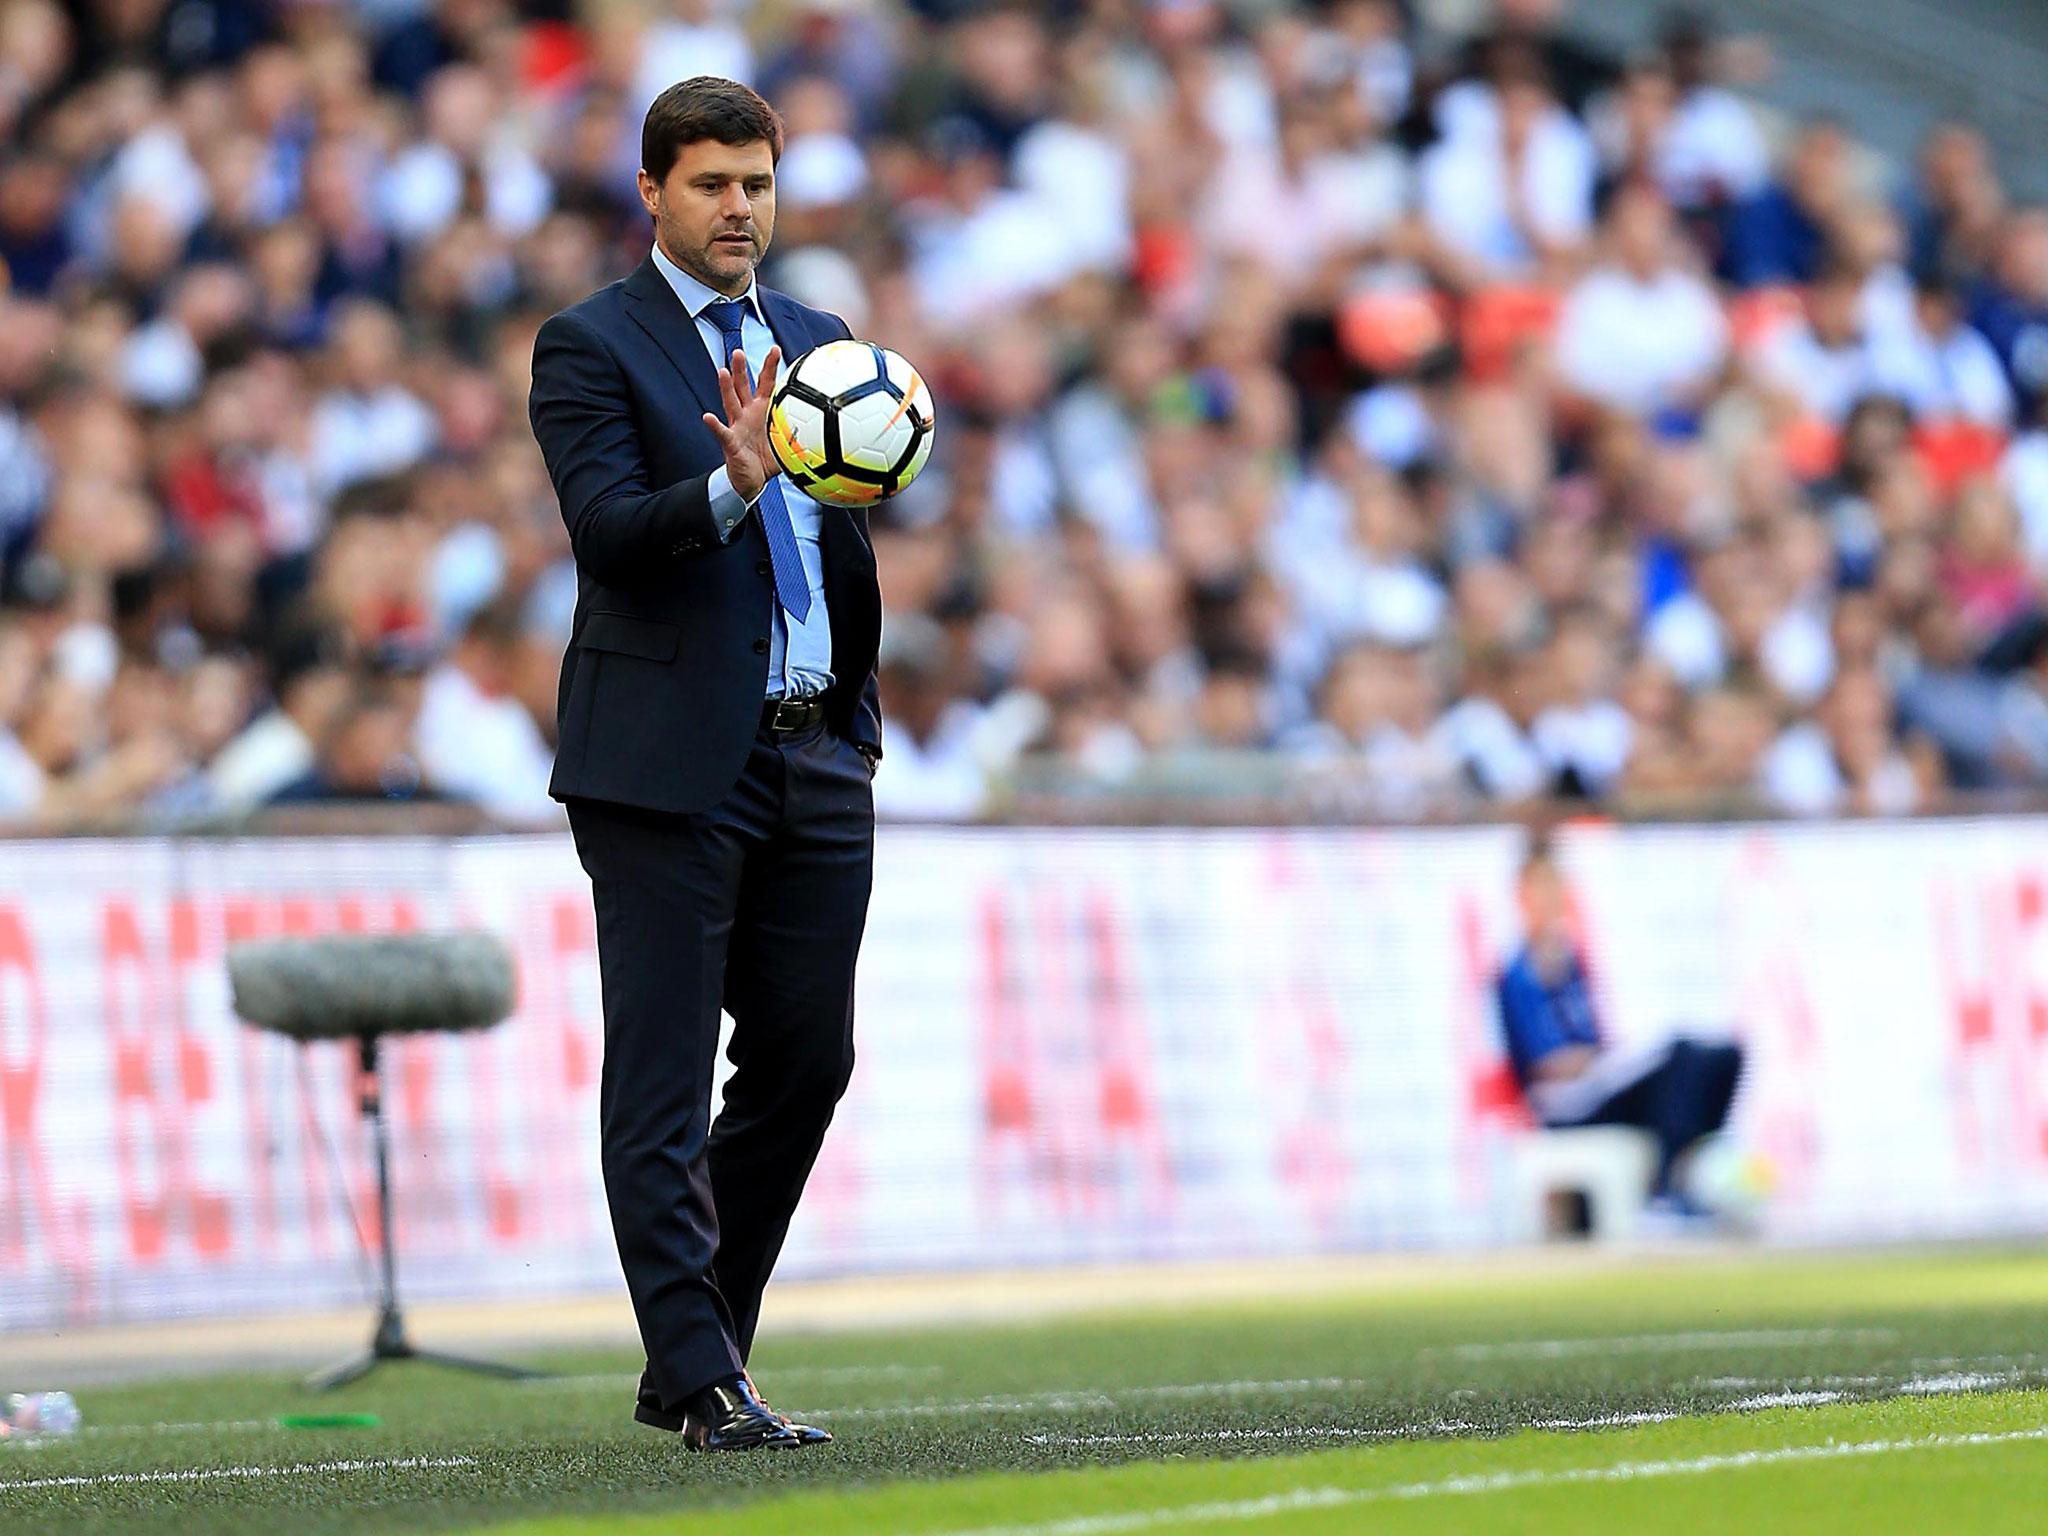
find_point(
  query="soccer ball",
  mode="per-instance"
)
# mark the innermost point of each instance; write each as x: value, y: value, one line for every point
x: 851, y: 423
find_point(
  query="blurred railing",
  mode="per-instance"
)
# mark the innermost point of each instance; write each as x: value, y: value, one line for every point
x: 1205, y: 789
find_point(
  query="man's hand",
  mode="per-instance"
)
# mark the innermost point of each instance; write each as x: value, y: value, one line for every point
x: 749, y: 462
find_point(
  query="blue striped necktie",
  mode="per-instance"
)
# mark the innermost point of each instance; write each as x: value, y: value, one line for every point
x: 792, y: 588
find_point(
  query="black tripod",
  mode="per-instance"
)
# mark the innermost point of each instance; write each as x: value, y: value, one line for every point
x: 389, y: 1341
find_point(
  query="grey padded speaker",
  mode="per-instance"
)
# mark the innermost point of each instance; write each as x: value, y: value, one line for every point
x: 339, y: 986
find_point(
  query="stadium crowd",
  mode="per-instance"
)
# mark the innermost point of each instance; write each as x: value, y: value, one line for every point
x: 1445, y: 421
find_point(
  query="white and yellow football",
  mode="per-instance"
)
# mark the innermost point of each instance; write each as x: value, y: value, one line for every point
x: 851, y: 423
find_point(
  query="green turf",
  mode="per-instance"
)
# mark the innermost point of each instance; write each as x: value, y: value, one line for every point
x: 1387, y: 1387
x: 1948, y: 1464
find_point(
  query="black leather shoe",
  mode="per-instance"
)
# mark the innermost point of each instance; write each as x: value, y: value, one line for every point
x: 806, y: 1434
x: 729, y: 1417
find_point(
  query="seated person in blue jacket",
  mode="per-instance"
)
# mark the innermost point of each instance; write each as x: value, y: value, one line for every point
x: 1678, y: 1090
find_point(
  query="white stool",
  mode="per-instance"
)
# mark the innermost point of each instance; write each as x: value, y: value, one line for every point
x: 1611, y: 1165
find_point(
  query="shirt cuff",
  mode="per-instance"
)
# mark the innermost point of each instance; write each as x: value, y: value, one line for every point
x: 728, y: 509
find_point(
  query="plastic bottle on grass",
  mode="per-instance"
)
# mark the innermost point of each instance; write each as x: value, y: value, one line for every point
x: 32, y: 1414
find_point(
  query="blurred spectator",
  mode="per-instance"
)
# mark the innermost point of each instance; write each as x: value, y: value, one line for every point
x: 1824, y: 361
x: 476, y: 741
x: 309, y: 679
x: 1582, y: 735
x: 695, y: 37
x: 1642, y: 331
x: 2010, y: 305
x: 368, y: 424
x: 1954, y: 211
x: 1712, y: 155
x: 1780, y: 234
x: 363, y: 754
x: 1845, y: 758
x: 1508, y: 190
x: 1943, y: 369
x: 931, y: 769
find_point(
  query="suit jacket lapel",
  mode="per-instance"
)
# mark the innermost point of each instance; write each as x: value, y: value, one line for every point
x: 791, y: 332
x: 657, y: 311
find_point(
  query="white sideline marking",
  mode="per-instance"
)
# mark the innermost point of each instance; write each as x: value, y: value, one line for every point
x: 1922, y: 1386
x: 1066, y: 1399
x: 1434, y: 1427
x: 1494, y: 1482
x: 1058, y: 1402
x: 208, y: 1474
x: 1753, y: 1338
x: 1956, y: 1381
x: 1607, y: 1420
x: 1189, y: 1436
x: 1785, y: 1400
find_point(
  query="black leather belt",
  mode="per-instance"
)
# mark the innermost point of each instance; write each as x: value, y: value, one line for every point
x: 787, y: 717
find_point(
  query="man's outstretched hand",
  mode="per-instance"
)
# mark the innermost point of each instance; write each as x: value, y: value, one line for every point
x: 749, y: 462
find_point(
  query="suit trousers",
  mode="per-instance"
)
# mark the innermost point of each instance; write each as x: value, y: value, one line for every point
x: 756, y: 907
x: 1685, y: 1095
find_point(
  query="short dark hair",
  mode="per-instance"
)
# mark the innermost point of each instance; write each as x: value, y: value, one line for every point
x: 704, y: 107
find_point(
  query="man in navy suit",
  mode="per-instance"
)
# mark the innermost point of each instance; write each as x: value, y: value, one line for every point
x: 718, y: 733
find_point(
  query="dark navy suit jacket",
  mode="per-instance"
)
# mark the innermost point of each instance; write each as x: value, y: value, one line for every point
x: 667, y: 667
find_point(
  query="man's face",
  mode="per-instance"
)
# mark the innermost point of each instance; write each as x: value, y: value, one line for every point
x: 715, y: 213
x: 1546, y: 904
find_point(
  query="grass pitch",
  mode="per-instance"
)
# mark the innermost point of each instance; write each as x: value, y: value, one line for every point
x: 1831, y: 1393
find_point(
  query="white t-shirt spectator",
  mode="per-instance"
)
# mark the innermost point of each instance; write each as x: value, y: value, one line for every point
x: 1495, y: 752
x: 1640, y: 345
x: 675, y: 49
x: 1945, y: 378
x: 942, y: 779
x: 161, y: 365
x: 1336, y: 202
x: 2025, y: 473
x: 156, y: 164
x: 483, y: 749
x: 270, y: 752
x: 1797, y: 654
x: 1099, y: 458
x: 1592, y: 740
x: 1010, y: 249
x: 1348, y: 595
x: 1799, y: 774
x: 421, y: 192
x: 1384, y: 74
x: 360, y: 437
x: 1712, y: 150
x: 1463, y: 190
x: 1087, y: 174
x: 1826, y: 380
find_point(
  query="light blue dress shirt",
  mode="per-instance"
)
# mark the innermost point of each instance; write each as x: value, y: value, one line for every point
x: 799, y: 652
